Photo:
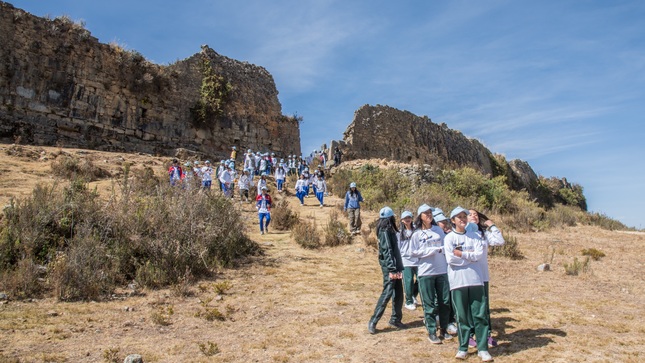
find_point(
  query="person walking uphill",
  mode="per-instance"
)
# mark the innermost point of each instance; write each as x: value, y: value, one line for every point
x: 410, y: 276
x: 389, y: 258
x: 263, y: 204
x: 353, y: 198
x: 463, y: 249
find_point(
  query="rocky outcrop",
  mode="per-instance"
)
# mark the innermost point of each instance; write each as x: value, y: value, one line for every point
x: 385, y: 132
x: 60, y: 86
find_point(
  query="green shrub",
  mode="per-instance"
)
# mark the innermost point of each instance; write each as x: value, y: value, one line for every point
x: 208, y: 349
x: 72, y: 167
x: 576, y: 267
x: 593, y: 253
x: 335, y: 231
x: 562, y: 215
x: 603, y: 221
x: 146, y: 231
x: 282, y: 216
x: 306, y: 235
x: 510, y: 249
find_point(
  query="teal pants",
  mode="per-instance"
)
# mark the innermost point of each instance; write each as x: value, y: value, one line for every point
x: 435, y: 293
x: 470, y: 307
x: 490, y: 326
x: 410, y: 283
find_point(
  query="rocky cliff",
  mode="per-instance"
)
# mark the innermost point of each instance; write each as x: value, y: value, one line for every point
x: 388, y: 133
x: 60, y: 86
x: 383, y: 132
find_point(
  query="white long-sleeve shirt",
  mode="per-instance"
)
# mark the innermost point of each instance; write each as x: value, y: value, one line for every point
x: 261, y: 183
x: 225, y: 177
x: 427, y: 246
x: 280, y: 173
x: 321, y: 185
x: 492, y: 237
x: 404, y: 248
x: 300, y: 185
x: 207, y: 173
x: 465, y: 270
x: 244, y: 182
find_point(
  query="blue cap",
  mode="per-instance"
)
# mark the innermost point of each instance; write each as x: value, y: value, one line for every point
x: 352, y: 185
x: 438, y: 215
x: 386, y: 212
x: 423, y: 208
x: 457, y: 211
x: 407, y: 213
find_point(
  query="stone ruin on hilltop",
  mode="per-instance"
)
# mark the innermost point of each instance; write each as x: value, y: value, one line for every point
x: 383, y: 132
x: 60, y: 86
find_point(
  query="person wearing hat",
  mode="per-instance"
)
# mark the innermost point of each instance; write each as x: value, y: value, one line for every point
x: 446, y: 226
x: 442, y: 220
x: 321, y: 171
x: 389, y: 258
x: 353, y: 199
x: 218, y: 173
x: 175, y: 173
x: 244, y: 183
x: 320, y: 186
x: 262, y: 182
x: 463, y: 249
x: 492, y: 236
x: 426, y: 245
x: 410, y: 278
x: 207, y: 175
x: 249, y: 163
x: 300, y: 189
x: 257, y: 158
x: 187, y: 176
x: 263, y: 205
x: 280, y: 176
x: 197, y: 170
x: 233, y: 153
x: 226, y: 181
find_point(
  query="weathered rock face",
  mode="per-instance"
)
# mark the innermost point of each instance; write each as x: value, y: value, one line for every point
x: 59, y: 85
x: 388, y: 133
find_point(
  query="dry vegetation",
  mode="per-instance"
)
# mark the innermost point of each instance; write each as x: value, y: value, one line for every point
x: 312, y: 305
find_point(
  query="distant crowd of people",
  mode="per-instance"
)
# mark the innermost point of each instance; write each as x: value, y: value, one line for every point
x: 252, y: 177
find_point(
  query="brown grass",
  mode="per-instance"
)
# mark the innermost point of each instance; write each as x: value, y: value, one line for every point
x: 299, y: 305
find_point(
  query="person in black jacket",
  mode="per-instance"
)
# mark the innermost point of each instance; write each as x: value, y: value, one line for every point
x: 389, y: 258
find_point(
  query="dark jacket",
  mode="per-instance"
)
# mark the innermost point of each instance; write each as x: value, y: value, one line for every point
x: 389, y: 255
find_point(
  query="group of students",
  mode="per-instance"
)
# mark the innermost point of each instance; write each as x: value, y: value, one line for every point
x: 445, y: 261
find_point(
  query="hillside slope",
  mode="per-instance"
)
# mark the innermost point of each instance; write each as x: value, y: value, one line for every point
x: 297, y: 305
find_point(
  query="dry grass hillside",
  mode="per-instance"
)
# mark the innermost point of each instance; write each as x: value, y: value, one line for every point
x: 299, y: 305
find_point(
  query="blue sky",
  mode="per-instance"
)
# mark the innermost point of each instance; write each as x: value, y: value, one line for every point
x: 560, y: 84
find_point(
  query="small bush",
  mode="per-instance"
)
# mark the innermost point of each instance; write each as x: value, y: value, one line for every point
x: 562, y: 215
x: 222, y: 287
x: 593, y: 253
x: 306, y: 235
x: 577, y: 267
x: 282, y: 216
x: 161, y: 315
x: 71, y: 167
x: 209, y: 349
x: 603, y: 221
x: 210, y: 314
x: 509, y: 249
x: 336, y: 233
x: 111, y: 355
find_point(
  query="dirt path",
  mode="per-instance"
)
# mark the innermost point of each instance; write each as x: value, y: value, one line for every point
x: 298, y: 305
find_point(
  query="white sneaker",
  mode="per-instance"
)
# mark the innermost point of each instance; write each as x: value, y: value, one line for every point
x: 261, y: 232
x: 415, y: 301
x: 461, y: 355
x: 451, y: 329
x: 410, y: 306
x: 485, y: 356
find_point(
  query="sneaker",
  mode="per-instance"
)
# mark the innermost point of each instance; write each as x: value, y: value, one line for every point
x: 266, y: 229
x: 434, y: 339
x: 451, y: 329
x: 321, y: 206
x: 410, y: 306
x: 371, y: 327
x: 485, y: 356
x: 472, y: 342
x: 415, y: 301
x: 492, y: 343
x: 398, y: 325
x: 461, y: 354
x: 446, y: 336
x: 261, y: 232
